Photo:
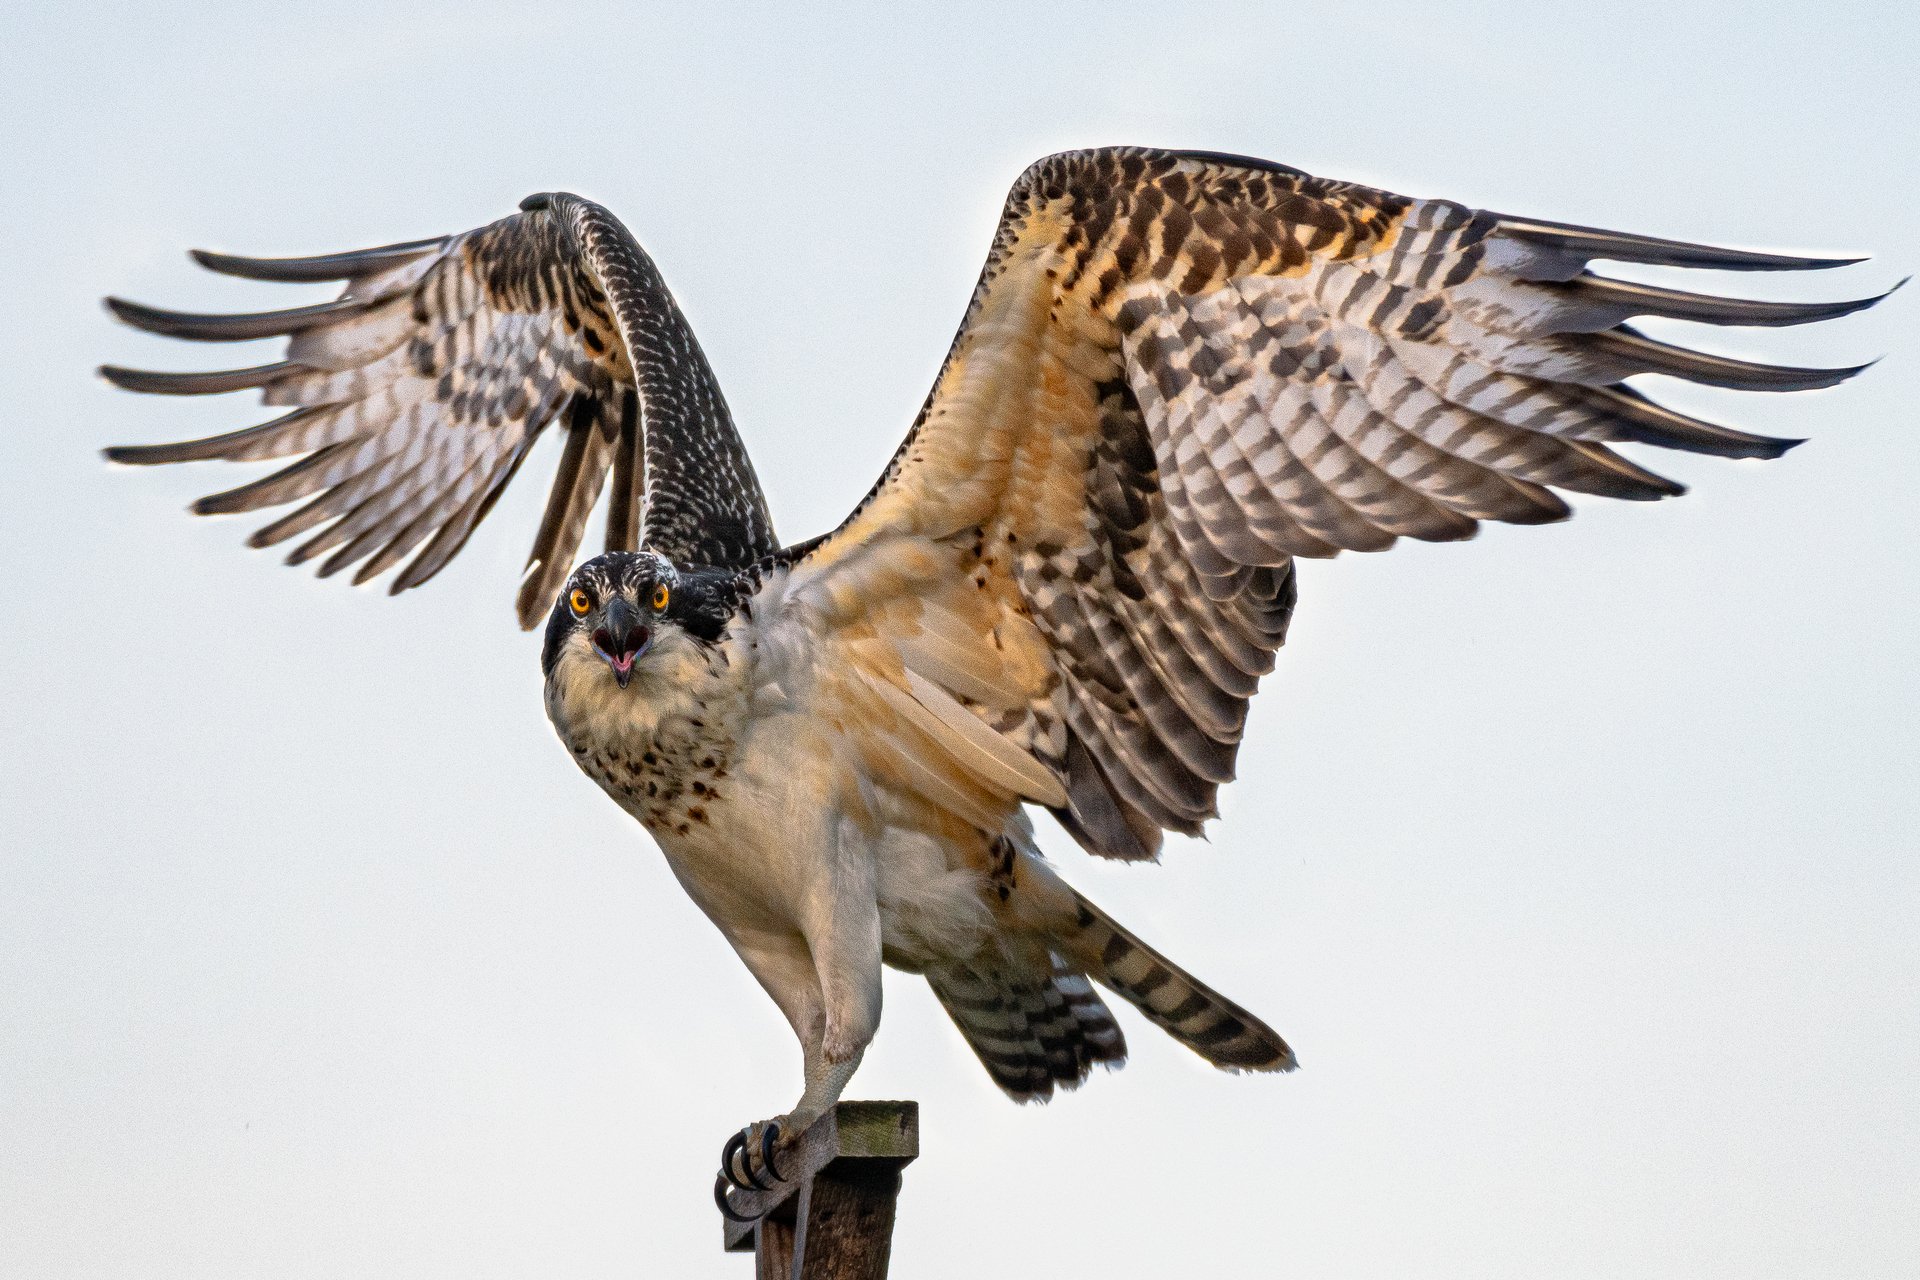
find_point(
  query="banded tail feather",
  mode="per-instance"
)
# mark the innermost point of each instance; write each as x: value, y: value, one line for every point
x: 1034, y: 1029
x: 1174, y: 1000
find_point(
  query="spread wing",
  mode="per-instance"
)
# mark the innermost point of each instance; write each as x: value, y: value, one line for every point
x: 416, y: 395
x: 1180, y: 371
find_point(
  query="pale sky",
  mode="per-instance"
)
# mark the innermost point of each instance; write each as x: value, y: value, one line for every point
x: 1575, y: 862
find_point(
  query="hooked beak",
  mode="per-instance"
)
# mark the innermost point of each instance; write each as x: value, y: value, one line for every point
x: 621, y: 639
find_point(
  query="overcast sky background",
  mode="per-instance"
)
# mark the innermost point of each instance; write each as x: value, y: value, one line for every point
x: 1577, y: 863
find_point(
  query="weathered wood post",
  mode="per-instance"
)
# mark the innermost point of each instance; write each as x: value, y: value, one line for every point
x: 832, y: 1218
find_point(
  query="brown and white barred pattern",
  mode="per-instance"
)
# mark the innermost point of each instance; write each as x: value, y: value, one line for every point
x: 1178, y: 371
x: 1181, y: 370
x: 1174, y: 1000
x: 1034, y: 1029
x: 1034, y: 1020
x: 419, y: 391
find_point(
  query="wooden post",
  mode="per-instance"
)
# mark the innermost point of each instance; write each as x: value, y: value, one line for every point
x: 832, y: 1219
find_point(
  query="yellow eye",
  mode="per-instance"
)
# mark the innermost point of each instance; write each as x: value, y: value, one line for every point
x: 578, y: 602
x: 660, y: 597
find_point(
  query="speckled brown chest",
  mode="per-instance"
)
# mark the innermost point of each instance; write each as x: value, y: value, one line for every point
x: 672, y: 781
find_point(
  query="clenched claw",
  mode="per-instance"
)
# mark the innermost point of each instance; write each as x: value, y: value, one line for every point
x: 753, y: 1177
x: 722, y: 1184
x: 735, y: 1145
x: 737, y: 1161
x: 769, y: 1136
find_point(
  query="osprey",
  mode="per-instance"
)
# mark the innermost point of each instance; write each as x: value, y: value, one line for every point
x: 1178, y: 372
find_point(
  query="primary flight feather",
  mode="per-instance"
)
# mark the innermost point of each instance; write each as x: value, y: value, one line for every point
x: 1179, y: 371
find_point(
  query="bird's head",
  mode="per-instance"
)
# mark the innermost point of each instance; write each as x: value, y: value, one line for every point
x: 618, y: 608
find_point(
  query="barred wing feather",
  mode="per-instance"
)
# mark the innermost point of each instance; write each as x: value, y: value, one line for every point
x: 1178, y: 372
x: 416, y: 395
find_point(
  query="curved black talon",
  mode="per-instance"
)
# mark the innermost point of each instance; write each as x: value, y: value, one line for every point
x: 768, y: 1137
x: 736, y: 1146
x: 720, y: 1185
x: 753, y: 1178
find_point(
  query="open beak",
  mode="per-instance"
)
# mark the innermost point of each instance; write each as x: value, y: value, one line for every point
x: 621, y: 639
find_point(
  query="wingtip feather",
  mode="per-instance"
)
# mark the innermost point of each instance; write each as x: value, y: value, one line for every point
x: 1648, y: 355
x: 1634, y: 298
x: 318, y: 269
x: 1623, y: 246
x: 138, y: 455
x: 189, y: 383
x: 118, y: 308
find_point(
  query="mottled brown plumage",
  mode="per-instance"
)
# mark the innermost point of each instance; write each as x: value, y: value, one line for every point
x: 1178, y: 373
x: 1180, y: 370
x: 422, y: 388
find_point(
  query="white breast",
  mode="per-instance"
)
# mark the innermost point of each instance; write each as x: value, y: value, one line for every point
x: 784, y: 813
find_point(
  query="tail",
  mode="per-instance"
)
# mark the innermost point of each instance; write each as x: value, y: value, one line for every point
x: 1184, y: 1007
x: 1035, y: 1024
